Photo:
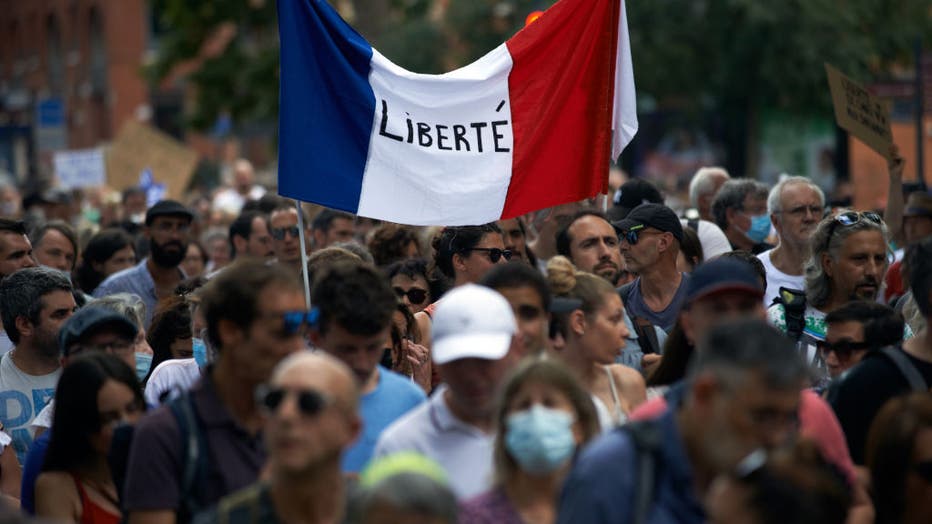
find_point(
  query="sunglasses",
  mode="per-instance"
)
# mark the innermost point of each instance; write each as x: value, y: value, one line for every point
x: 851, y: 218
x: 310, y: 402
x: 295, y: 321
x: 495, y: 254
x: 842, y: 348
x: 631, y: 236
x: 415, y: 295
x: 278, y: 233
x: 924, y: 470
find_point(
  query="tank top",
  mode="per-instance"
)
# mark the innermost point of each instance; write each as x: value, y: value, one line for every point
x: 91, y: 512
x: 609, y: 418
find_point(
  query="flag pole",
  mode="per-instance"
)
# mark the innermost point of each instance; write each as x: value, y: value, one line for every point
x: 307, y: 285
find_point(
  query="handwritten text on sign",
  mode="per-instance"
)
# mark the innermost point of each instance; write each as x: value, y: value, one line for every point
x: 859, y: 112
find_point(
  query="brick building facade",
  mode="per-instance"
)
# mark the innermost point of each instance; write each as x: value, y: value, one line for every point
x: 84, y: 56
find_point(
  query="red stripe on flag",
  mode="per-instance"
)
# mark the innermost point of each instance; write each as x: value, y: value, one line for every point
x: 561, y: 105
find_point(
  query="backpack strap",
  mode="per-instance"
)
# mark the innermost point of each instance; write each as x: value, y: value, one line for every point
x: 647, y: 439
x: 647, y: 335
x: 794, y: 308
x: 193, y: 456
x: 906, y: 367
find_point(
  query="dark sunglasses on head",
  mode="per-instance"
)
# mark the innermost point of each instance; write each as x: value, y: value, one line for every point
x: 310, y: 402
x: 842, y: 348
x: 278, y: 233
x: 294, y: 321
x: 924, y: 470
x: 850, y: 218
x: 415, y: 295
x: 495, y: 254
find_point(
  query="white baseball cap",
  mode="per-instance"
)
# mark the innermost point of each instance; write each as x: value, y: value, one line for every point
x: 472, y: 321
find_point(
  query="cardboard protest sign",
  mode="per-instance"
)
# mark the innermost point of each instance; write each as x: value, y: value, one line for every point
x: 80, y: 168
x: 139, y: 147
x: 859, y: 112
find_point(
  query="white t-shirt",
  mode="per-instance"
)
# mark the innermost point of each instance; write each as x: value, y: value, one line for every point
x: 431, y: 429
x: 713, y: 240
x: 777, y: 279
x: 5, y: 343
x: 172, y: 376
x: 44, y: 418
x: 22, y: 397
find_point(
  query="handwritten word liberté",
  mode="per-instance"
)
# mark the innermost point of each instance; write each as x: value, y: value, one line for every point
x: 458, y: 137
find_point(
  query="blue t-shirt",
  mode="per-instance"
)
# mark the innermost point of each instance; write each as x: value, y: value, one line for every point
x: 665, y: 319
x: 32, y: 467
x: 393, y: 397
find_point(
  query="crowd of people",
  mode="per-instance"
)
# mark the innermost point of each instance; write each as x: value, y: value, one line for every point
x: 760, y: 357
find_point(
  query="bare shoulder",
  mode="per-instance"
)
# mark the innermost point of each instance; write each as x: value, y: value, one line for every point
x: 626, y: 377
x: 57, y: 481
x: 56, y: 496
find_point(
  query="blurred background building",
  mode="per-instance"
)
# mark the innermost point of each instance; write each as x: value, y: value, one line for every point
x: 724, y: 82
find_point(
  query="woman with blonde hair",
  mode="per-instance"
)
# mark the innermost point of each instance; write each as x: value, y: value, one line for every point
x: 593, y: 336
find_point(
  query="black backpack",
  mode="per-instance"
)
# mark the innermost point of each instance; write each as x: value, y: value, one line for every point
x: 194, y: 457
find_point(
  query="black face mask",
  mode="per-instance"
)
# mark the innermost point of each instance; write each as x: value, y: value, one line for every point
x: 165, y: 258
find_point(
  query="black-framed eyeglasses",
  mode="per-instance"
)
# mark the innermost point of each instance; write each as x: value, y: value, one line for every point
x: 632, y: 235
x: 850, y: 218
x: 415, y: 295
x: 842, y: 348
x: 278, y: 233
x: 495, y: 254
x: 924, y: 470
x: 310, y: 402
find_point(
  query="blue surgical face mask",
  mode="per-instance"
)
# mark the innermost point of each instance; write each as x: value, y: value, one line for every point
x: 143, y: 362
x: 760, y: 228
x: 200, y: 351
x: 540, y: 439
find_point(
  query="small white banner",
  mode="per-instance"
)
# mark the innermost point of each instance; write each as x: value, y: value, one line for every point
x: 80, y: 168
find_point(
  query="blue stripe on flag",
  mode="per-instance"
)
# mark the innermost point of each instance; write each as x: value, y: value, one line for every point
x: 327, y: 106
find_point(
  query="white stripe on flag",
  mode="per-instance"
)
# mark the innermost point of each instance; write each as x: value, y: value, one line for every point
x: 624, y: 111
x: 416, y: 115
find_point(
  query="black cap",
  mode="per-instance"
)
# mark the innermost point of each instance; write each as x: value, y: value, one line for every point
x: 168, y: 208
x: 657, y: 216
x: 630, y: 195
x: 723, y: 274
x: 87, y: 320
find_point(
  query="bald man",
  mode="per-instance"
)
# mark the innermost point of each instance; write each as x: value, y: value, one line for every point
x: 311, y: 408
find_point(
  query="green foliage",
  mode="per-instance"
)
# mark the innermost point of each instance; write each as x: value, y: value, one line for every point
x: 242, y: 80
x: 730, y: 56
x: 767, y: 54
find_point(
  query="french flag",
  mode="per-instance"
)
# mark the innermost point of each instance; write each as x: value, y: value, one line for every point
x: 530, y: 125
